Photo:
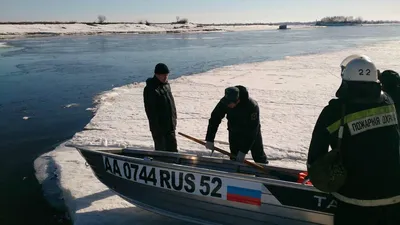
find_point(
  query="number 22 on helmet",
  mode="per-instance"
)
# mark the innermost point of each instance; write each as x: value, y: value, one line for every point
x: 360, y: 70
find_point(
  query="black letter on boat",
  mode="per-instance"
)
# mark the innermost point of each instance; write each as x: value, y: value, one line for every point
x: 165, y: 177
x: 190, y: 186
x: 116, y: 168
x: 108, y: 165
x: 180, y: 180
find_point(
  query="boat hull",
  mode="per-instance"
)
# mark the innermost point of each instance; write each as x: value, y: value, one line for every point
x: 208, y: 196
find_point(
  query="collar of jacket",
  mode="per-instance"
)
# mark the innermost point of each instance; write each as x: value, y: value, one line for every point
x: 157, y: 82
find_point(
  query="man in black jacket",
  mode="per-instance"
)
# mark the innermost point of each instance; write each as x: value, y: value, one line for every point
x: 370, y: 147
x: 390, y: 81
x: 160, y: 109
x: 244, y: 127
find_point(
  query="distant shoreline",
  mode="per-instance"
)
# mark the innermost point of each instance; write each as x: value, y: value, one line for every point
x: 14, y: 30
x: 48, y: 29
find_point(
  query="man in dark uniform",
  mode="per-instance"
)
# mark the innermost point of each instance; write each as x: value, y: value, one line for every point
x: 369, y: 147
x: 390, y: 81
x: 243, y: 115
x: 160, y: 109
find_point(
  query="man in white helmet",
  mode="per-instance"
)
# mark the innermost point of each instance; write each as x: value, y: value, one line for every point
x: 369, y: 147
x: 349, y: 58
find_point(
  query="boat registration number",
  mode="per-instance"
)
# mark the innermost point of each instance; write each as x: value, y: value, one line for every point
x: 188, y: 182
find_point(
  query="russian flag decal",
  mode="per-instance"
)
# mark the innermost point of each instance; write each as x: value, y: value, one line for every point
x: 243, y: 195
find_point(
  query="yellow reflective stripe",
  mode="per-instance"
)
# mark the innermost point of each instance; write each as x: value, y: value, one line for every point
x: 335, y: 126
x: 361, y: 114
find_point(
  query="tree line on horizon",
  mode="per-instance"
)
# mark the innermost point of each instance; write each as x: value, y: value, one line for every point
x: 351, y: 19
x: 341, y: 19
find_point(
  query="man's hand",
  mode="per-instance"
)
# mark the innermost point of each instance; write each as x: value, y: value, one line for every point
x: 240, y: 157
x: 210, y: 145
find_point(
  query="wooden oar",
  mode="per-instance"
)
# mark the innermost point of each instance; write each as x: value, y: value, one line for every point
x: 223, y: 152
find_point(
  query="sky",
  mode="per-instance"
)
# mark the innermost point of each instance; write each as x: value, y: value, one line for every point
x: 198, y: 11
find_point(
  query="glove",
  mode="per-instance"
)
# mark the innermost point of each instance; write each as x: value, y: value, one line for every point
x: 210, y: 145
x: 240, y: 156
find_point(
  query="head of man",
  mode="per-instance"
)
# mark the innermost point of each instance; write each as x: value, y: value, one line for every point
x: 360, y: 80
x: 161, y: 71
x: 345, y: 61
x: 231, y: 98
x: 390, y: 80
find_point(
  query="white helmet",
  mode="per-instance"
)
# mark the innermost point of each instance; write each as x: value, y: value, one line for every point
x: 360, y: 69
x: 351, y: 57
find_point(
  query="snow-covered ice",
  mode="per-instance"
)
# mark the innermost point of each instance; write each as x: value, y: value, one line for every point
x: 4, y: 45
x: 71, y: 105
x: 11, y: 30
x: 291, y: 93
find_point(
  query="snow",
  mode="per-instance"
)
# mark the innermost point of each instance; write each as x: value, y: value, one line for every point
x: 291, y: 93
x: 10, y: 30
x: 4, y: 45
x: 71, y: 105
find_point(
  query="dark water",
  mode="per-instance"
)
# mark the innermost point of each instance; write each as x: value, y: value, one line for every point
x: 39, y: 77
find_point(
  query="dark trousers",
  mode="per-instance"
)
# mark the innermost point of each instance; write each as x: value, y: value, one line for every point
x: 257, y: 150
x: 347, y: 214
x: 165, y: 142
